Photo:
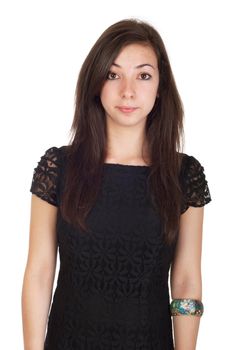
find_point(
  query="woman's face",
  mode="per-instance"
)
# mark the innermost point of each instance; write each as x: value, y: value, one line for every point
x: 133, y: 82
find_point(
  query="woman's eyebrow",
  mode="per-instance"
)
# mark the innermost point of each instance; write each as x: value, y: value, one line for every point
x: 139, y: 66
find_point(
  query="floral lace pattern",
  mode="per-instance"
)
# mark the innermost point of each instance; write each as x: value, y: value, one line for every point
x: 195, y: 186
x: 45, y: 176
x: 112, y: 288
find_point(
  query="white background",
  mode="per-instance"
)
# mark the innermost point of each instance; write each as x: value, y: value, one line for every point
x: 43, y: 44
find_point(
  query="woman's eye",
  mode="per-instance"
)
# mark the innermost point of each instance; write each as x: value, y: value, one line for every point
x: 111, y: 76
x: 145, y: 74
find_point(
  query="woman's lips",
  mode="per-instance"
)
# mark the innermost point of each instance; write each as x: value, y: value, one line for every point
x: 127, y: 109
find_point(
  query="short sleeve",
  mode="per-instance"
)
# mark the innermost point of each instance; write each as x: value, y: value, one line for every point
x: 45, y: 179
x: 194, y: 184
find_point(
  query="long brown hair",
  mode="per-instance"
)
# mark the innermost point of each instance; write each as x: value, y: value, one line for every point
x: 86, y: 151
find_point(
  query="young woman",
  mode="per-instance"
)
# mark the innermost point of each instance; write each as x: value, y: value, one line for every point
x: 123, y: 204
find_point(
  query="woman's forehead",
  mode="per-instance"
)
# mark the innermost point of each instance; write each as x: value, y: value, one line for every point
x: 137, y: 54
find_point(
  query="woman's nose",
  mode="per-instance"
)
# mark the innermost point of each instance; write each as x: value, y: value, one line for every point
x: 127, y: 88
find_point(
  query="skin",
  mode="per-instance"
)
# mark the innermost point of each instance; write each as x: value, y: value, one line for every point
x: 185, y: 275
x: 129, y: 86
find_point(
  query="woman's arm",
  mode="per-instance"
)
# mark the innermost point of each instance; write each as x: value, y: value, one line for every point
x: 39, y: 273
x: 186, y: 279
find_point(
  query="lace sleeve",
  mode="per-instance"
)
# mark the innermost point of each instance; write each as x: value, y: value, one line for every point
x: 194, y: 184
x: 45, y: 177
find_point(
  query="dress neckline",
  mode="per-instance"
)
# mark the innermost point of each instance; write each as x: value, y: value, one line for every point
x: 128, y: 167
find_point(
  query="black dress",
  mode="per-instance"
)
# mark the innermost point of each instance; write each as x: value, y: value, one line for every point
x: 112, y: 289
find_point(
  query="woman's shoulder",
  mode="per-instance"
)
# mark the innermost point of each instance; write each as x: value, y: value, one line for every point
x: 47, y: 174
x: 190, y: 164
x: 56, y: 153
x: 193, y: 181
